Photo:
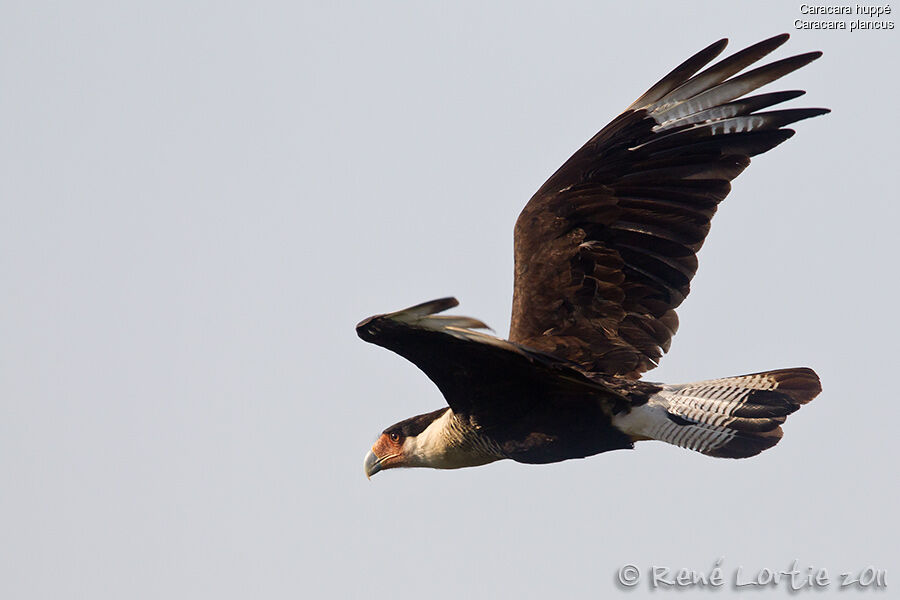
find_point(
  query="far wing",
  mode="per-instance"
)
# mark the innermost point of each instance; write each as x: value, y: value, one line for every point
x: 606, y: 249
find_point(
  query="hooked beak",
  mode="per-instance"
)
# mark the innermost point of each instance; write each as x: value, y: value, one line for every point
x: 372, y: 464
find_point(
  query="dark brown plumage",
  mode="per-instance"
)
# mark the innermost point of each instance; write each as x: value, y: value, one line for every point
x: 606, y: 249
x: 604, y: 254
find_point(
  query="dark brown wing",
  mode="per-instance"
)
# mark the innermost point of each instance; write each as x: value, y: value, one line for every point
x: 490, y: 380
x: 606, y: 249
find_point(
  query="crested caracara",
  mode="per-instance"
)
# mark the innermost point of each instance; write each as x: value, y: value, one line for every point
x: 604, y: 254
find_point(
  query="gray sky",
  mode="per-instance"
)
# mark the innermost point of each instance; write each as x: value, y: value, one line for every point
x: 200, y: 201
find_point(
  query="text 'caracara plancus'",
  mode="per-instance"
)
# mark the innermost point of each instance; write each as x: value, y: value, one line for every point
x: 604, y: 254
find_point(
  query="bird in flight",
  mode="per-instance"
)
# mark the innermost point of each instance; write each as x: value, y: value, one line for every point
x: 604, y: 254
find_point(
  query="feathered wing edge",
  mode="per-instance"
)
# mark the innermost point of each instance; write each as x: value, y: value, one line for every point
x: 424, y: 316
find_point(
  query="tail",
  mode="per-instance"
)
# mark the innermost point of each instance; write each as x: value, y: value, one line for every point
x: 734, y: 417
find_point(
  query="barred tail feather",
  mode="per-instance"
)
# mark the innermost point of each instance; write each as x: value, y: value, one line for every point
x: 732, y: 417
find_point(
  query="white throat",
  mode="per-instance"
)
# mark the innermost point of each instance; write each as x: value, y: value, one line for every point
x: 445, y: 445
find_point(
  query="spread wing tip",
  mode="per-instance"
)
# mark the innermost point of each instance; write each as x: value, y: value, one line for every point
x: 411, y: 314
x: 429, y: 308
x: 425, y: 315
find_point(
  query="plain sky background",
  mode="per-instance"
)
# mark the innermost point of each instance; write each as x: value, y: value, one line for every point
x: 200, y: 200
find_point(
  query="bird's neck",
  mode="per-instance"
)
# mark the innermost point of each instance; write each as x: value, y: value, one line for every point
x: 449, y: 443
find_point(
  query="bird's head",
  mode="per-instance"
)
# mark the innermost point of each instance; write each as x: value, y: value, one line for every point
x: 409, y: 443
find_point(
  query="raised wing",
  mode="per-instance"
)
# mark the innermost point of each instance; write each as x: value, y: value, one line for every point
x: 606, y: 249
x: 481, y: 376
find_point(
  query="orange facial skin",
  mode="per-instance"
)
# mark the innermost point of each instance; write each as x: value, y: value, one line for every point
x: 389, y: 451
